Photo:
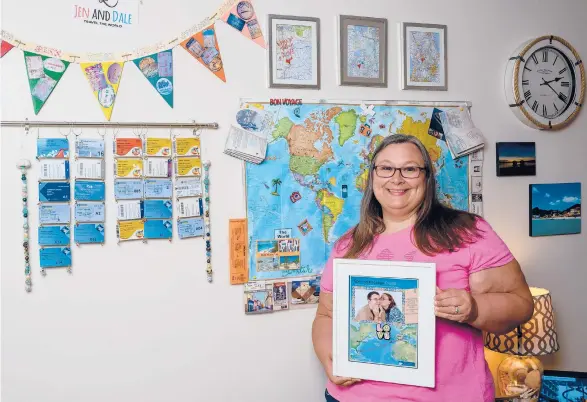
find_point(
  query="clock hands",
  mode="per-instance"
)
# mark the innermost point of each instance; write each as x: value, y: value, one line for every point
x: 557, y: 79
x: 547, y: 83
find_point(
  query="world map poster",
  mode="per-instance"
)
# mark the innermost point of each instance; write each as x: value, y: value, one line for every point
x: 309, y: 188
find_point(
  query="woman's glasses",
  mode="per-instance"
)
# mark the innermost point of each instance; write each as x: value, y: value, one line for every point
x: 408, y: 172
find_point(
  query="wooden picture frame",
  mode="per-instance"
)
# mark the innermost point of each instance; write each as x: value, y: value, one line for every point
x: 426, y: 45
x: 362, y: 51
x: 290, y: 67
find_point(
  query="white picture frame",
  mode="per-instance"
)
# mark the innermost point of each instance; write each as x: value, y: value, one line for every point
x: 304, y: 73
x: 411, y: 362
x: 415, y: 37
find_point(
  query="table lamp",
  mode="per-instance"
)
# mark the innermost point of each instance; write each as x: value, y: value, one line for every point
x: 521, y: 372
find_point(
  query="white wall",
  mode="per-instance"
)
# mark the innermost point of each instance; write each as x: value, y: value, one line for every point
x: 140, y: 322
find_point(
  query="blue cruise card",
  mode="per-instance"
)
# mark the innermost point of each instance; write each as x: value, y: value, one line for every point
x: 52, y: 148
x: 158, y: 209
x: 158, y: 229
x: 128, y: 189
x: 158, y: 188
x: 89, y: 148
x: 55, y: 257
x: 87, y: 190
x: 54, y: 213
x: 55, y: 191
x: 193, y: 227
x: 54, y: 235
x: 88, y: 233
x: 89, y: 212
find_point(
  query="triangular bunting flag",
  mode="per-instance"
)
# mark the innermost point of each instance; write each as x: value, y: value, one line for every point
x: 204, y: 47
x: 44, y: 73
x: 104, y: 78
x: 4, y: 48
x: 243, y: 18
x: 158, y: 69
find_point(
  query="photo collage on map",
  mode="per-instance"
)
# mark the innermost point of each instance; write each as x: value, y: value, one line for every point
x: 383, y: 321
x: 267, y: 297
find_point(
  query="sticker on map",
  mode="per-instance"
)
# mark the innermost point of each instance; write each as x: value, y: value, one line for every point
x: 383, y: 321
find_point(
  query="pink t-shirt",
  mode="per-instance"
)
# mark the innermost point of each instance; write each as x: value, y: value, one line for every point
x: 462, y: 373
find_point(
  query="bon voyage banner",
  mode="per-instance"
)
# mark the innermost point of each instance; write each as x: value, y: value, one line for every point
x: 46, y: 65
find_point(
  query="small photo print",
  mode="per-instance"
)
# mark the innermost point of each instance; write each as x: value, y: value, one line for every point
x: 289, y: 246
x: 280, y: 299
x: 516, y: 158
x: 555, y: 209
x: 267, y: 247
x: 383, y: 321
x: 259, y: 302
x: 268, y: 264
x: 305, y: 292
x: 289, y: 262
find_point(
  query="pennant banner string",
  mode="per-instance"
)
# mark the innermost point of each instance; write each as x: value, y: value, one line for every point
x: 243, y: 9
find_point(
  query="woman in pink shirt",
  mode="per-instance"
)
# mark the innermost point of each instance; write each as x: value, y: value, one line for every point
x: 480, y: 284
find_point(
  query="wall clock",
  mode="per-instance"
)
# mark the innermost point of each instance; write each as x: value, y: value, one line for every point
x: 545, y: 83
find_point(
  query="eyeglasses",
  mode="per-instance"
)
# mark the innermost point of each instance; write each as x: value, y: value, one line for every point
x: 409, y: 172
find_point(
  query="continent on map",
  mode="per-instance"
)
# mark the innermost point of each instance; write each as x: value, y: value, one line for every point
x: 331, y: 207
x: 358, y: 335
x: 347, y: 124
x: 362, y: 178
x: 419, y: 129
x: 404, y: 352
x: 305, y: 157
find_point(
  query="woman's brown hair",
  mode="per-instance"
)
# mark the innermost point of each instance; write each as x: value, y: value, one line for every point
x: 438, y: 228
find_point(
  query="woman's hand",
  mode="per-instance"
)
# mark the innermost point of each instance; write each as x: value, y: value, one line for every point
x: 340, y: 381
x: 455, y: 305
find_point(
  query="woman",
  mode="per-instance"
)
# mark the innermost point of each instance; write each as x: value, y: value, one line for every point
x: 392, y: 313
x: 480, y: 286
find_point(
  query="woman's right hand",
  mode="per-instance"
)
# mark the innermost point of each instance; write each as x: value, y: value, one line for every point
x: 340, y: 381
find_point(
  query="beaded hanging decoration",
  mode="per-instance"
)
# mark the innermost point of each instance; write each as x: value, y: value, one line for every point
x: 207, y: 219
x: 23, y: 165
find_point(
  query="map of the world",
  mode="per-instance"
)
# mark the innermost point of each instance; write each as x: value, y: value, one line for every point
x: 307, y: 192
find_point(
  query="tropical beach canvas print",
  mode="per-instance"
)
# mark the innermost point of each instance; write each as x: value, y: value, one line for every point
x: 555, y: 209
x: 516, y: 158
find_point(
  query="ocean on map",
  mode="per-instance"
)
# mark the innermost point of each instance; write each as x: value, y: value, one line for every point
x: 551, y: 227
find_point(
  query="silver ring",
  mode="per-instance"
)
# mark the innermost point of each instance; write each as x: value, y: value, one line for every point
x: 456, y: 309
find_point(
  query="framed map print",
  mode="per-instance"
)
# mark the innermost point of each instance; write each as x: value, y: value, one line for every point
x: 423, y: 56
x: 384, y: 324
x: 362, y: 51
x: 294, y: 52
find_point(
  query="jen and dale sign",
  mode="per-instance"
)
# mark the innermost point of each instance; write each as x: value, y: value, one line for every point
x: 107, y: 13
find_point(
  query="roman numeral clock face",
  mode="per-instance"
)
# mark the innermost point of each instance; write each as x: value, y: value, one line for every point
x: 545, y: 83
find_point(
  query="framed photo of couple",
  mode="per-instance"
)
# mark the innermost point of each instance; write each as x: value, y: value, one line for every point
x: 384, y: 324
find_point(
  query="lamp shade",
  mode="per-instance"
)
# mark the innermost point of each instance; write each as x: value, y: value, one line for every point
x: 537, y: 337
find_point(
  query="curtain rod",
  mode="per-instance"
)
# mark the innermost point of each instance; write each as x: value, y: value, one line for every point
x: 27, y: 123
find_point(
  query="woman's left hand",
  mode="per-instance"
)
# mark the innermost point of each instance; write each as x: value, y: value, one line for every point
x: 455, y: 305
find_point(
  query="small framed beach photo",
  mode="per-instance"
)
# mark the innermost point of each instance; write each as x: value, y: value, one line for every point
x: 294, y: 51
x: 362, y: 51
x: 555, y: 209
x: 423, y: 56
x: 384, y: 326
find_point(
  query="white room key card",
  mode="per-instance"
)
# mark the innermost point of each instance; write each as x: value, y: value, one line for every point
x: 54, y: 169
x: 188, y: 207
x: 130, y: 210
x: 188, y: 187
x: 156, y: 167
x: 90, y: 169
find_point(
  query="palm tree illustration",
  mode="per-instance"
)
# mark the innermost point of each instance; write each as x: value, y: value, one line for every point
x: 276, y: 183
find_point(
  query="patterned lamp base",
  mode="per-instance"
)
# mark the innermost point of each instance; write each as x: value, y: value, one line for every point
x: 520, y: 375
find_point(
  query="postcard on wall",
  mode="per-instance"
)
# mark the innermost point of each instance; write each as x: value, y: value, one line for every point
x: 278, y: 254
x: 384, y: 323
x: 258, y: 299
